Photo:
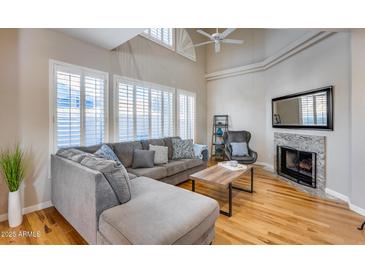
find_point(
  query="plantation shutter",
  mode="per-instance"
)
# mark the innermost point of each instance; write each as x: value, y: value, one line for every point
x: 80, y: 108
x: 94, y: 122
x: 68, y: 110
x: 162, y: 35
x: 186, y: 114
x: 145, y: 110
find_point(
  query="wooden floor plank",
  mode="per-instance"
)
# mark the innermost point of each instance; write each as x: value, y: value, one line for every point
x: 276, y: 213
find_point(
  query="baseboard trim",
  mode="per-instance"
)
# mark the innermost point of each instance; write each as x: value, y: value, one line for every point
x: 266, y: 165
x: 346, y: 199
x: 29, y: 209
x: 337, y: 195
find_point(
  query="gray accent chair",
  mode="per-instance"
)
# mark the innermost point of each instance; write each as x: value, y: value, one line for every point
x: 158, y: 212
x: 239, y: 136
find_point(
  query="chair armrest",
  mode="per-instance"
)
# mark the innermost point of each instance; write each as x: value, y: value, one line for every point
x: 253, y: 155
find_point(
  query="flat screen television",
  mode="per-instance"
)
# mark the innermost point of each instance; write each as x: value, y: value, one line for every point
x: 311, y: 109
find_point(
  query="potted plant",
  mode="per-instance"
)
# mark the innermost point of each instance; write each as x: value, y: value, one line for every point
x: 12, y: 169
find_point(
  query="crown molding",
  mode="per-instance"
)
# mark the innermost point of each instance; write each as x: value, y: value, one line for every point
x: 293, y: 48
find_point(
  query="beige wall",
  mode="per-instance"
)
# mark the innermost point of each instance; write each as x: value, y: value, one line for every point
x: 24, y: 86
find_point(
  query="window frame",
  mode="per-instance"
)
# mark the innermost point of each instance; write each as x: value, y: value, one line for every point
x: 116, y: 80
x: 83, y: 71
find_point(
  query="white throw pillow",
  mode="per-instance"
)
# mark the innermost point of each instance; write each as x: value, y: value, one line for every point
x: 161, y: 154
x: 239, y: 149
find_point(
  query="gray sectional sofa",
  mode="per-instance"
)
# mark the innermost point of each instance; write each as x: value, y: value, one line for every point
x: 158, y: 212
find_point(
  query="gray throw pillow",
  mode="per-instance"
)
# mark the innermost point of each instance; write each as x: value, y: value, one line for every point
x: 182, y: 149
x: 161, y: 154
x: 143, y: 158
x: 106, y: 152
x: 116, y: 175
x: 239, y: 149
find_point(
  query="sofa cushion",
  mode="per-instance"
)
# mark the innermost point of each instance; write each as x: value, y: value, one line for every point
x: 72, y: 154
x: 156, y: 142
x: 190, y: 163
x: 143, y: 158
x: 159, y: 214
x: 182, y: 149
x: 116, y: 175
x: 174, y: 166
x: 242, y: 158
x: 124, y: 152
x: 156, y: 172
x: 168, y: 143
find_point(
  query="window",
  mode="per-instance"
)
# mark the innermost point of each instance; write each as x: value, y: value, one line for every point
x: 186, y: 114
x: 144, y: 110
x: 164, y: 36
x: 79, y: 116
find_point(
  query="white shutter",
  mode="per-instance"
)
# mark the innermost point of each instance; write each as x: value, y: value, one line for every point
x: 168, y: 113
x: 94, y: 121
x: 186, y: 114
x: 68, y: 110
x: 163, y: 36
x: 145, y: 110
x: 142, y: 113
x: 80, y: 106
x: 156, y: 113
x: 125, y: 112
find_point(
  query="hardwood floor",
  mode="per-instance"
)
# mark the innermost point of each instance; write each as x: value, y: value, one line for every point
x: 276, y: 213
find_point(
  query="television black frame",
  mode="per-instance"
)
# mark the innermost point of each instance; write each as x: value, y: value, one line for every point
x: 329, y: 96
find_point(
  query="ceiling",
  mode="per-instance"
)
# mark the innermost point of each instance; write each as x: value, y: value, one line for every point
x: 105, y: 38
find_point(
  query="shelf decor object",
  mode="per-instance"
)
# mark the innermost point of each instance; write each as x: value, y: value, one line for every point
x: 220, y: 126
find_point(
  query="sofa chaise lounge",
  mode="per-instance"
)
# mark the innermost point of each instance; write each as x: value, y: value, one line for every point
x: 158, y: 212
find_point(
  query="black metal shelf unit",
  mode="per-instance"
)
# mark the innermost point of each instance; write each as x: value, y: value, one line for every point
x: 220, y: 125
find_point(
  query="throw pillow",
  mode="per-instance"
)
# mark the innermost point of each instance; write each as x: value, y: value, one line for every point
x: 116, y: 175
x: 182, y: 149
x: 161, y: 154
x: 143, y: 158
x: 106, y: 152
x: 239, y: 149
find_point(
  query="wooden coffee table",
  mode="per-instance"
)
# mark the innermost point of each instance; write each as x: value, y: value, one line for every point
x: 221, y: 176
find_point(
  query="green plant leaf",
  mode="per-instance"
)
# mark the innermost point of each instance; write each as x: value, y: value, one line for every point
x: 12, y: 168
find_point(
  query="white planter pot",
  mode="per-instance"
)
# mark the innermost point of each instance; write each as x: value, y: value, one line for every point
x: 15, y: 215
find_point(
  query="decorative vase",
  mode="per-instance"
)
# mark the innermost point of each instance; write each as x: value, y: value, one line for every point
x: 15, y: 215
x: 219, y: 132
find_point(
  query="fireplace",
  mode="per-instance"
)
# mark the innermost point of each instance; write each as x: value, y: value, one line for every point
x: 296, y: 165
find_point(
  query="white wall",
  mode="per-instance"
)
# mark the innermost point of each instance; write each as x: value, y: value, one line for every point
x: 357, y: 189
x: 242, y: 97
x: 325, y: 63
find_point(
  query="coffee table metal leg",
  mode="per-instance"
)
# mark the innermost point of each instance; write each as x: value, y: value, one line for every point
x: 246, y: 190
x: 193, y: 185
x: 229, y: 213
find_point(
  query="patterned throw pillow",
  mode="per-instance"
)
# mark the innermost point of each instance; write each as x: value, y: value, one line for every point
x: 161, y: 154
x: 182, y: 149
x: 106, y: 152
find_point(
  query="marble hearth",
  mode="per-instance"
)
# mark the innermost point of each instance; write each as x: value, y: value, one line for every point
x: 308, y: 143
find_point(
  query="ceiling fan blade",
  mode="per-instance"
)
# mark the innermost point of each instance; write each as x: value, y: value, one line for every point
x: 200, y: 44
x: 202, y: 32
x: 233, y: 41
x: 227, y: 32
x: 217, y: 47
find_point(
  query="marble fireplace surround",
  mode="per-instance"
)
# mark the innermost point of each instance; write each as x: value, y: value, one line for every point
x: 309, y: 143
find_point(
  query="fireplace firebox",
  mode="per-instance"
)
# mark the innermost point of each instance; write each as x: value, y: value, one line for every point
x: 296, y: 165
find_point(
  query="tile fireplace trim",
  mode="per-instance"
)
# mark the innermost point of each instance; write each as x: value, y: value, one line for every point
x: 311, y: 143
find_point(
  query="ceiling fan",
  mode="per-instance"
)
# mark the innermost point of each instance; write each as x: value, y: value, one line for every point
x: 218, y: 38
